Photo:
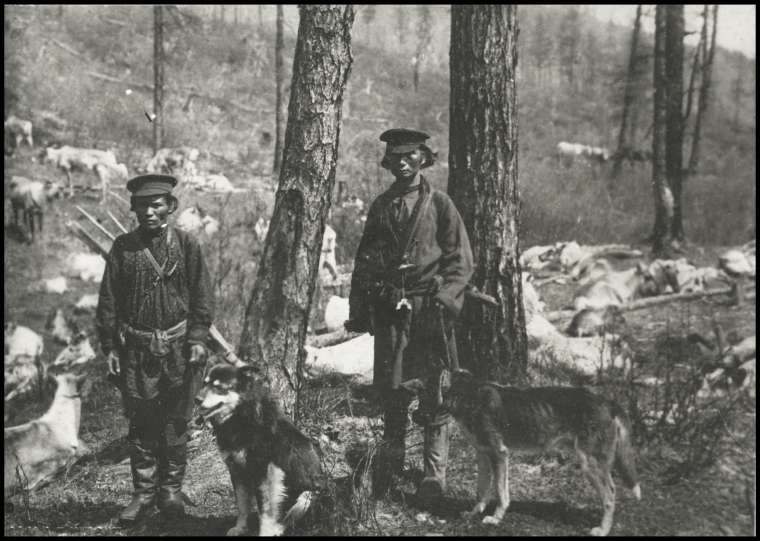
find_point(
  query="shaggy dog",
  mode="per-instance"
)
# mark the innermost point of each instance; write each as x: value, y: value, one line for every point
x: 498, y: 419
x: 269, y: 459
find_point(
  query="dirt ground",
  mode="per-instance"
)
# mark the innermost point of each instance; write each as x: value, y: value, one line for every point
x: 549, y: 495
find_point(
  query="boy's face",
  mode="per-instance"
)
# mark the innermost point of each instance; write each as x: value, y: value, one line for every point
x: 152, y: 211
x: 406, y: 166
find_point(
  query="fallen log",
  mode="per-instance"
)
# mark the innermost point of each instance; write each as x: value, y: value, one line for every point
x: 331, y: 338
x: 653, y: 301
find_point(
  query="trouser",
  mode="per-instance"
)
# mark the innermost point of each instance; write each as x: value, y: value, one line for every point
x: 392, y: 452
x: 158, y: 436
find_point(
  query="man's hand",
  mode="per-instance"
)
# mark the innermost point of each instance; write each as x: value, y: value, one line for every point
x: 114, y: 363
x: 353, y: 325
x: 197, y: 354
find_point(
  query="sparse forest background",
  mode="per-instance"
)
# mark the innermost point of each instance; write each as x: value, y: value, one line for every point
x: 220, y: 97
x: 76, y: 63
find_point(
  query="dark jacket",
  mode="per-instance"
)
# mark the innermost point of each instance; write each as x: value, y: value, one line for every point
x: 436, y: 242
x: 130, y: 293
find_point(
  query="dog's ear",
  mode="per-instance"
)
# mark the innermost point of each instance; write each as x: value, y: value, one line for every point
x: 445, y: 381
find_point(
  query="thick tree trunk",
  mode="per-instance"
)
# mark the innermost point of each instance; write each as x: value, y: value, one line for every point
x: 279, y: 128
x: 628, y: 96
x: 663, y: 198
x: 704, y: 91
x: 158, y: 78
x: 483, y: 183
x: 674, y: 57
x: 274, y: 329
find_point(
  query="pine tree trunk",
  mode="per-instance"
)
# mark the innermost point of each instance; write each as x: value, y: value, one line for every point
x: 704, y: 91
x: 483, y: 183
x: 158, y: 78
x: 628, y: 96
x: 279, y: 128
x: 663, y: 198
x: 274, y: 329
x: 674, y: 57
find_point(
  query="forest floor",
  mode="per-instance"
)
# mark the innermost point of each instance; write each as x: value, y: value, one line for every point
x: 549, y: 495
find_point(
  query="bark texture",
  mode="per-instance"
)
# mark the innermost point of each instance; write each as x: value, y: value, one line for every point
x: 674, y: 60
x: 663, y: 197
x: 483, y: 183
x: 158, y: 78
x: 279, y: 75
x: 274, y: 329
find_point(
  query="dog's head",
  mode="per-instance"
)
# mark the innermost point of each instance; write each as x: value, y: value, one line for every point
x: 225, y: 388
x: 450, y: 385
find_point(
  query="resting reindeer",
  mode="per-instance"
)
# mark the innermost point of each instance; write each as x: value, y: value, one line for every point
x: 36, y: 450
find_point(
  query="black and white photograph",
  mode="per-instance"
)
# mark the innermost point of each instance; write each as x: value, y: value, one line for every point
x: 379, y: 270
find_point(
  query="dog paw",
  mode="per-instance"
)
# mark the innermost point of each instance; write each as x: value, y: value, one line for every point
x: 237, y: 531
x: 598, y: 532
x: 271, y: 530
x: 475, y: 511
x: 490, y: 519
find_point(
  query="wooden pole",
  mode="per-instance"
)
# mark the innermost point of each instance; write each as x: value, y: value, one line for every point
x: 117, y: 222
x: 96, y: 223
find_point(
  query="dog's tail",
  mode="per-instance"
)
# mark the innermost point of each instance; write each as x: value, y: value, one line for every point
x: 300, y: 508
x: 625, y: 456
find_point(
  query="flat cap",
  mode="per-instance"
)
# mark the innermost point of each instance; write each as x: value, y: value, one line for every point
x: 147, y: 185
x: 403, y: 140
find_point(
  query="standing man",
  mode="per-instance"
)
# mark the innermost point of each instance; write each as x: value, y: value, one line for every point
x: 412, y: 265
x: 153, y: 317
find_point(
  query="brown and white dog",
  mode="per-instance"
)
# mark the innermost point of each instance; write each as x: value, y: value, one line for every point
x: 498, y: 419
x: 269, y: 459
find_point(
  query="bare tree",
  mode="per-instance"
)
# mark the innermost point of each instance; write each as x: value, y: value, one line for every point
x: 569, y: 43
x: 541, y: 45
x: 274, y: 329
x: 674, y: 56
x: 738, y: 89
x: 708, y: 54
x: 158, y: 77
x: 695, y: 68
x: 424, y: 36
x: 628, y: 97
x: 483, y: 182
x: 663, y: 197
x: 279, y: 75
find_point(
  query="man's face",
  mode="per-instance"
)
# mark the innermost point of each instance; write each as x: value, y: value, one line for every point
x: 406, y: 166
x: 152, y: 211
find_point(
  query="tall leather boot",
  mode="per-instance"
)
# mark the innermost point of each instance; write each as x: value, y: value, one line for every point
x: 435, y: 456
x: 172, y: 466
x: 144, y: 466
x: 392, y: 452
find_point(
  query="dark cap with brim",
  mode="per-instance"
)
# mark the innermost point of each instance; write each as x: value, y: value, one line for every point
x: 151, y: 185
x: 403, y: 140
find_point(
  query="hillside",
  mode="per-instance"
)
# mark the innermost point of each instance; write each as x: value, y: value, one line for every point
x: 696, y: 472
x: 220, y: 98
